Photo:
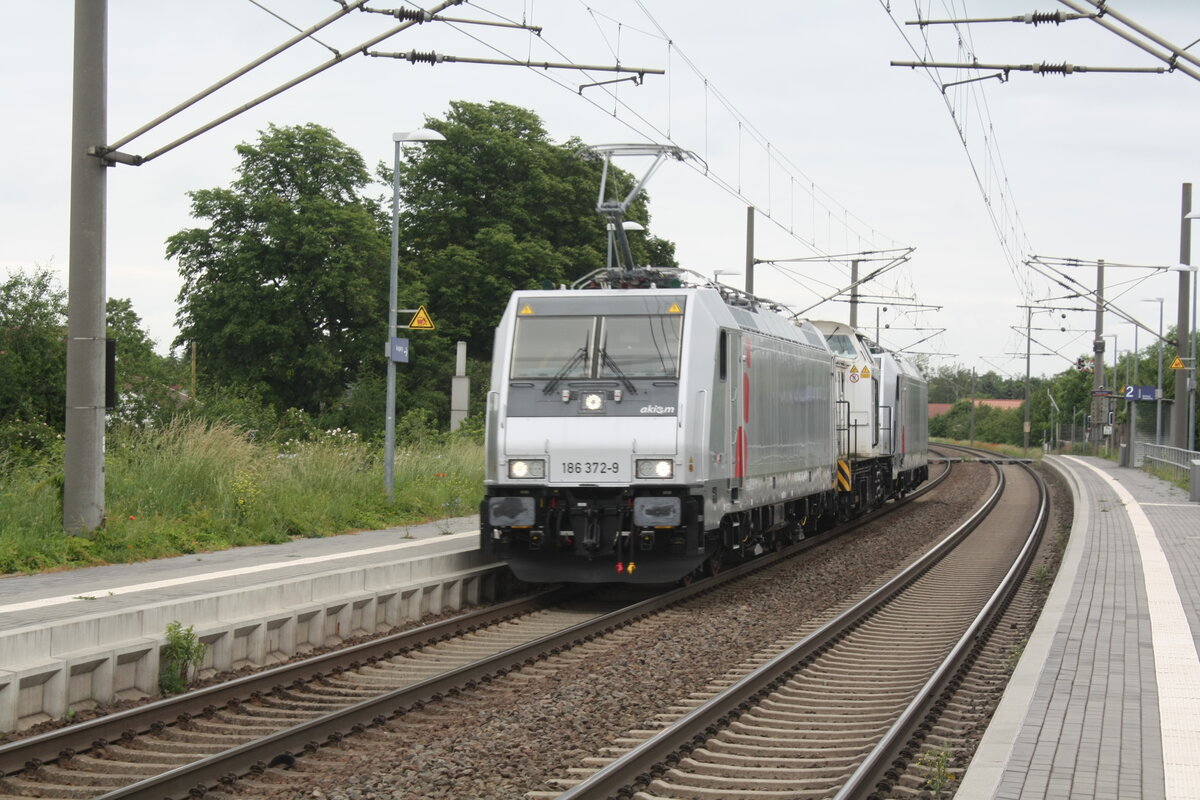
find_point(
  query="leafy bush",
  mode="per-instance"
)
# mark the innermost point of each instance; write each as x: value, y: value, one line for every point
x: 238, y: 406
x: 25, y: 443
x: 180, y: 658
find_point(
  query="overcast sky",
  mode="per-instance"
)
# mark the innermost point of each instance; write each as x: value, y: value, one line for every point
x: 788, y: 105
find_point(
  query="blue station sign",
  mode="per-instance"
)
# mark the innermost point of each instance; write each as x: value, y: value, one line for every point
x: 1141, y: 393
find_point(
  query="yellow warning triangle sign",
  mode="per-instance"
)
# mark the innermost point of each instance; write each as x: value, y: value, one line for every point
x: 674, y: 309
x: 421, y: 320
x: 526, y: 309
x: 854, y: 370
x: 1177, y: 363
x: 866, y: 372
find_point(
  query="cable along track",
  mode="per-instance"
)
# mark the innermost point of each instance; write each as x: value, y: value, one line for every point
x: 840, y: 712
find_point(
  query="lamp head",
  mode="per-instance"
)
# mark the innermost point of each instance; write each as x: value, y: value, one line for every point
x: 419, y: 135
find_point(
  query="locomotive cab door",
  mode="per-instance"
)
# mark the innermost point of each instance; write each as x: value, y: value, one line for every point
x: 739, y: 414
x: 727, y: 434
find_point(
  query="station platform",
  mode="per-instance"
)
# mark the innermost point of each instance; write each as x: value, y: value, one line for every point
x: 1105, y: 700
x: 74, y: 639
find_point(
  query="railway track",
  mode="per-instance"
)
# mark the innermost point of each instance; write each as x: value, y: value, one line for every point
x: 843, y: 711
x: 181, y: 745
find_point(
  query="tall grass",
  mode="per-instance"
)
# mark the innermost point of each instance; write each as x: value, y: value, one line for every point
x: 197, y: 486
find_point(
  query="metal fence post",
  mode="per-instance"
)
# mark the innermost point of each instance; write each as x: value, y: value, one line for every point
x: 1194, y: 482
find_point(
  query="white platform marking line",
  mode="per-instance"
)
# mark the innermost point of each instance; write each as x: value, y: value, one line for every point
x: 1176, y: 666
x: 96, y: 594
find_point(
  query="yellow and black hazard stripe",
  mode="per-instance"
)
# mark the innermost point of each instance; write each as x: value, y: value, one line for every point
x: 843, y: 476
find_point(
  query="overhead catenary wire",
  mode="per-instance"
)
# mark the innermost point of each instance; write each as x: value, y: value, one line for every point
x: 757, y: 137
x: 1039, y: 263
x: 431, y: 57
x: 1175, y: 53
x: 1012, y: 251
x: 301, y: 36
x: 109, y: 152
x: 409, y: 19
x: 1042, y: 68
x: 654, y: 132
x: 291, y: 25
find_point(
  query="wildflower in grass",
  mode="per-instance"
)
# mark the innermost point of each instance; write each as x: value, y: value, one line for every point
x: 245, y: 490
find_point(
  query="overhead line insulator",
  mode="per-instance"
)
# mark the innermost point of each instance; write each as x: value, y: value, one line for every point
x: 1054, y: 69
x: 411, y: 14
x: 1042, y: 17
x: 414, y: 57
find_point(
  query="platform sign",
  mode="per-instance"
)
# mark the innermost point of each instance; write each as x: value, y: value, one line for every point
x: 1141, y: 393
x: 399, y: 350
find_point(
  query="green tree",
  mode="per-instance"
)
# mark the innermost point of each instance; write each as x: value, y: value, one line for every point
x: 33, y: 349
x: 284, y: 288
x: 150, y: 387
x: 498, y: 207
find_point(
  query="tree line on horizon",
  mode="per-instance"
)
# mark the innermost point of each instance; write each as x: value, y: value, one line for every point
x: 285, y: 279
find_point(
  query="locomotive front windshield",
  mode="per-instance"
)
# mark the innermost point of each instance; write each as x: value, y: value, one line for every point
x: 842, y: 345
x: 607, y: 347
x: 545, y: 347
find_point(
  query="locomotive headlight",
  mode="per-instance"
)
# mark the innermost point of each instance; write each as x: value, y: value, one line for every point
x: 655, y: 468
x: 527, y: 468
x: 593, y: 401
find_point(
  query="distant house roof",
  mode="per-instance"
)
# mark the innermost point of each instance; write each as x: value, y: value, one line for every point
x: 936, y: 409
x: 1004, y: 404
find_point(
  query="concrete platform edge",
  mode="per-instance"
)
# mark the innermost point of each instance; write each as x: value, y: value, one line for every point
x: 73, y: 664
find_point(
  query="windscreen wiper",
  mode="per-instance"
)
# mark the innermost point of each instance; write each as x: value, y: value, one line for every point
x: 607, y: 359
x: 580, y: 355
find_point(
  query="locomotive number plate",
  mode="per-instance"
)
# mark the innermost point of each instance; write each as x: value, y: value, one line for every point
x: 590, y: 471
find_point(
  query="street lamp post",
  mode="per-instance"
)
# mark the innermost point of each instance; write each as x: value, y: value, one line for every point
x: 389, y: 447
x: 1158, y: 398
x: 1191, y: 436
x: 1110, y: 405
x: 1181, y: 426
x: 1183, y: 417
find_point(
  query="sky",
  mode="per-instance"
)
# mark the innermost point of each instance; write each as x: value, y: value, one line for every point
x: 791, y: 106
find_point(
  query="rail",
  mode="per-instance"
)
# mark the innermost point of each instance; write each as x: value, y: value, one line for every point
x: 664, y: 748
x: 58, y: 747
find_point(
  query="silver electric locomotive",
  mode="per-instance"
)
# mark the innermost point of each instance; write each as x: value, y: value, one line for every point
x: 643, y: 435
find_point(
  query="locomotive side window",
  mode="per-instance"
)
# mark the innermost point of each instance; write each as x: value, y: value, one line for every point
x: 842, y: 345
x: 543, y: 347
x: 640, y: 347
